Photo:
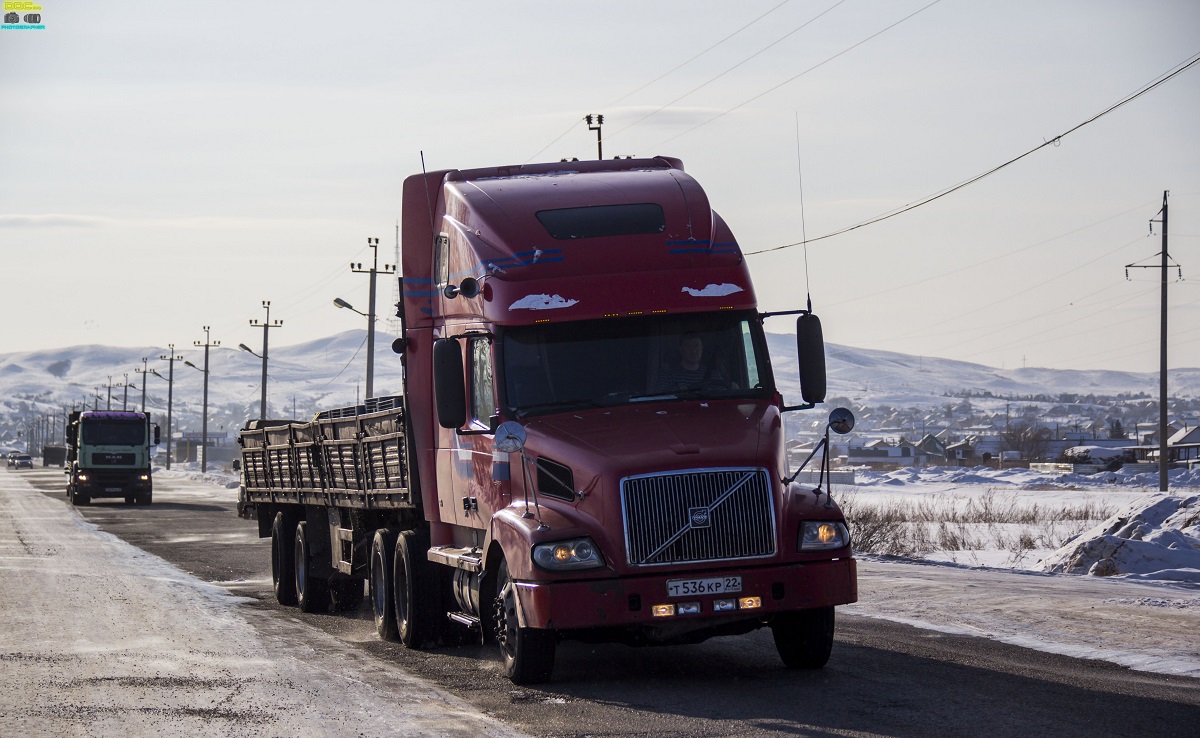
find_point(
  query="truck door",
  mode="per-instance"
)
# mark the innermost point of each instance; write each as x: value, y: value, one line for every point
x: 466, y: 460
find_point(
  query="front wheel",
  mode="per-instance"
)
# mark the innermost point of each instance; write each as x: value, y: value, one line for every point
x: 804, y: 638
x: 527, y: 653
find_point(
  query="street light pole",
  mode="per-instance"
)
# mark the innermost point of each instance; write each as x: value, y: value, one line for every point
x: 357, y: 268
x: 208, y: 343
x: 266, y: 325
x: 172, y: 358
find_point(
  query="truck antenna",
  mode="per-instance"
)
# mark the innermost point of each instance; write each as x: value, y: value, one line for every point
x: 428, y: 203
x: 803, y: 230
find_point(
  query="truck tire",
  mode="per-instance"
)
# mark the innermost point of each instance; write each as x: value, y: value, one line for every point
x: 283, y: 562
x: 804, y: 638
x: 77, y: 497
x: 346, y: 593
x: 383, y: 604
x: 312, y: 592
x: 527, y: 653
x: 146, y: 499
x: 415, y: 592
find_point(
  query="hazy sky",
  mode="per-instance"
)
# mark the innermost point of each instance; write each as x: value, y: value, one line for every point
x: 169, y: 165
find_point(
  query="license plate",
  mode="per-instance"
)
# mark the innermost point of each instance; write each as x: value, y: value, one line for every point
x: 112, y: 489
x: 710, y: 586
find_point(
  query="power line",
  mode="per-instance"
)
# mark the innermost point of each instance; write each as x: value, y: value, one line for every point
x: 702, y: 53
x: 1178, y: 69
x: 730, y: 69
x: 793, y: 78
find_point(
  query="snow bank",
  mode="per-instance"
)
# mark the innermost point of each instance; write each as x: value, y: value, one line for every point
x: 1156, y: 539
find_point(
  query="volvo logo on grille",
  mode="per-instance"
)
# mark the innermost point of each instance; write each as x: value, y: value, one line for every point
x: 699, y: 517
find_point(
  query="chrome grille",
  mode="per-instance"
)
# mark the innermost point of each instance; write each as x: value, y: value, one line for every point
x: 698, y: 515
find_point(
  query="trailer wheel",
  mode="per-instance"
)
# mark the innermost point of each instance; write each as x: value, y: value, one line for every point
x: 527, y: 653
x: 346, y: 594
x: 283, y: 561
x: 804, y: 638
x: 312, y: 592
x: 380, y: 583
x: 414, y: 588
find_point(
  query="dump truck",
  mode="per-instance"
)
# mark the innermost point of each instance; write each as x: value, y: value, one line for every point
x: 109, y: 455
x: 587, y: 442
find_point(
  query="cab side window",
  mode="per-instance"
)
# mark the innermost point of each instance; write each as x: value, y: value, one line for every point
x: 483, y: 393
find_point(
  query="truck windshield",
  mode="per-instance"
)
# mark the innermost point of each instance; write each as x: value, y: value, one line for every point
x: 114, y: 432
x: 565, y: 366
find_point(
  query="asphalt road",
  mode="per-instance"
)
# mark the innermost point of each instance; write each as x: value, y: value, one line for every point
x: 884, y: 679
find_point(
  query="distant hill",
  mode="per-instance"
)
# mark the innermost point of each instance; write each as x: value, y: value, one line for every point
x: 328, y: 372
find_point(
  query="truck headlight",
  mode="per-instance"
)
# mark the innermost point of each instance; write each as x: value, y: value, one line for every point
x: 83, y: 477
x: 578, y: 553
x: 823, y: 535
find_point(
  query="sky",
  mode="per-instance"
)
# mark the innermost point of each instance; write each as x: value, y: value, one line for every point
x: 169, y: 166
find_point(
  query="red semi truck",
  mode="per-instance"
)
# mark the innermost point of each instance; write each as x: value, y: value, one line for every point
x: 588, y: 443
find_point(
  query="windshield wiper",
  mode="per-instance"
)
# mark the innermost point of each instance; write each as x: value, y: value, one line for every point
x: 524, y: 410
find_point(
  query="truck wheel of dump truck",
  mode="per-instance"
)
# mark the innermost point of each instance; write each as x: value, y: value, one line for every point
x: 380, y: 583
x: 146, y: 499
x: 805, y: 638
x: 527, y: 653
x: 79, y: 498
x: 283, y: 564
x: 312, y: 592
x: 346, y: 593
x: 414, y: 589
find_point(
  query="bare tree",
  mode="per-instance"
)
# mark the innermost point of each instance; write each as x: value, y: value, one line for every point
x: 1029, y: 439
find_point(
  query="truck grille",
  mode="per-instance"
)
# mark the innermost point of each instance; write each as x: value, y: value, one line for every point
x: 698, y: 515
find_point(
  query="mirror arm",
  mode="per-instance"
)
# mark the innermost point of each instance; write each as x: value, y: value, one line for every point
x: 805, y: 406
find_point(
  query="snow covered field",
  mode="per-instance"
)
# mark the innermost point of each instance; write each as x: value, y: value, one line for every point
x: 1122, y: 587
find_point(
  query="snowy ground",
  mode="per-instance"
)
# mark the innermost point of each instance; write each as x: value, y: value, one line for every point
x: 102, y: 639
x: 1123, y: 588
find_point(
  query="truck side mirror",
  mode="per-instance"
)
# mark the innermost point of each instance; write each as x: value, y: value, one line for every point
x: 157, y: 434
x: 448, y: 387
x: 810, y: 356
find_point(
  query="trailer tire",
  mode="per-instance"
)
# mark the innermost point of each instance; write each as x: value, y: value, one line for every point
x: 346, y: 594
x: 383, y: 605
x: 283, y: 563
x: 804, y: 638
x: 527, y: 653
x: 312, y: 592
x: 414, y: 589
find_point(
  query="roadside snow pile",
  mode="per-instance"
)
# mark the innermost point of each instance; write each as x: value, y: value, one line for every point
x: 1155, y: 540
x: 191, y: 471
x: 1021, y: 477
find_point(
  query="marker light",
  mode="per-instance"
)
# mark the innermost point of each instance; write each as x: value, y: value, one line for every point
x: 724, y: 605
x: 662, y: 611
x: 749, y: 603
x: 688, y: 608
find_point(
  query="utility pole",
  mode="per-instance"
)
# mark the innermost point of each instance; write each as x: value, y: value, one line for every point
x: 143, y: 370
x: 1163, y: 451
x: 599, y: 122
x: 170, y: 357
x: 267, y: 325
x: 125, y: 396
x: 109, y: 405
x: 357, y: 268
x: 208, y: 343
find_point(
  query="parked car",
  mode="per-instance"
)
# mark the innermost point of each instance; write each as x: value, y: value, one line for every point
x: 23, y: 461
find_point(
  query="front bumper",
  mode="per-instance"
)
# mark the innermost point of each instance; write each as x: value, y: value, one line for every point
x: 628, y: 601
x: 115, y: 486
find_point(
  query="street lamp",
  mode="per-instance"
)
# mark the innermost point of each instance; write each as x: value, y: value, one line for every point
x: 357, y: 268
x: 266, y: 325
